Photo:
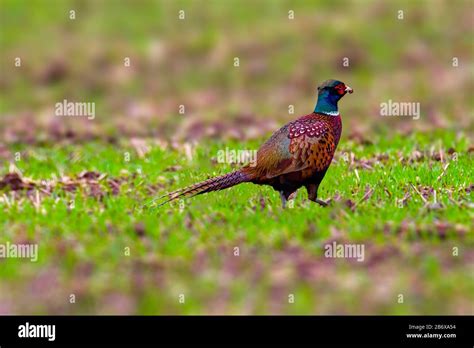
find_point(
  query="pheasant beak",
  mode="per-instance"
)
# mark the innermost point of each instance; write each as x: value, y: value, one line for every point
x: 349, y: 90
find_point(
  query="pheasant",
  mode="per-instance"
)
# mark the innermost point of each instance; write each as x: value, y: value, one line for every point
x: 298, y: 154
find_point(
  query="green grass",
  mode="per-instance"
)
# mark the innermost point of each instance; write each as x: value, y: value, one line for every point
x: 189, y: 249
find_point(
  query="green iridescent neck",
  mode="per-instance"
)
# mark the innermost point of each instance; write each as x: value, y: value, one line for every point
x: 327, y: 104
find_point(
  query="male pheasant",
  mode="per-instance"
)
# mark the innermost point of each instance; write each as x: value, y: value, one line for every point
x: 298, y: 154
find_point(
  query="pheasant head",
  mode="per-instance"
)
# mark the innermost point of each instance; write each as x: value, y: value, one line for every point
x: 329, y: 93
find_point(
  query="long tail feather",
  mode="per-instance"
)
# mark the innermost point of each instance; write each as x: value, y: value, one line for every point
x: 214, y: 184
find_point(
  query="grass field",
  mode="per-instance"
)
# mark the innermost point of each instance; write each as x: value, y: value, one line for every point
x: 86, y: 225
x: 402, y: 188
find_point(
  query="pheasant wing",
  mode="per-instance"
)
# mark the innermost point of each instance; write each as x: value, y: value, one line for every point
x: 300, y: 145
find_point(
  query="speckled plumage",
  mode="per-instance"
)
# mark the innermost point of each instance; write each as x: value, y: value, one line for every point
x: 308, y: 143
x: 296, y: 155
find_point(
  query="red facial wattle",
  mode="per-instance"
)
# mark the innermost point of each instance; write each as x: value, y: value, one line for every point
x: 341, y: 89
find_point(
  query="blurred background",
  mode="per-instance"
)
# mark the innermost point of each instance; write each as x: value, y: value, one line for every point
x: 190, y: 62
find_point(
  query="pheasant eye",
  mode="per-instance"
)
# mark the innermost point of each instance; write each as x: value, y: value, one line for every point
x: 341, y: 89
